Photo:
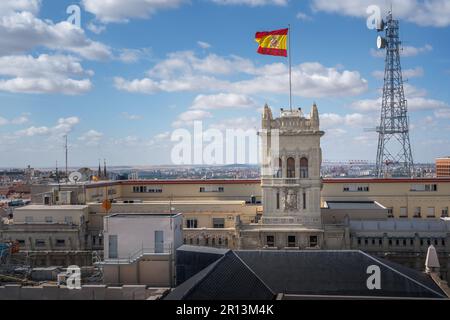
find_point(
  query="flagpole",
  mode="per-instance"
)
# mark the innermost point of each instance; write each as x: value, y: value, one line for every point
x: 290, y: 68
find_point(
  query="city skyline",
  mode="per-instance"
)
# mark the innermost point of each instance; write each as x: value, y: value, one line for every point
x: 121, y: 84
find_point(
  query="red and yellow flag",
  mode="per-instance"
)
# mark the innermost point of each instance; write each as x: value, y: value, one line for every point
x: 272, y: 43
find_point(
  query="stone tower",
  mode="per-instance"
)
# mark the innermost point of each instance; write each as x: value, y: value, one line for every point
x: 290, y: 180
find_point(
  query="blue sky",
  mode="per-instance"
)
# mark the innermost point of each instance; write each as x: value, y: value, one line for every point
x: 137, y: 70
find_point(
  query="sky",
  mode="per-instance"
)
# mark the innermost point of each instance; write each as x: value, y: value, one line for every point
x: 135, y: 71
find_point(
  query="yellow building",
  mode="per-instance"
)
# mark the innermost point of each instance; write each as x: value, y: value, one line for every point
x: 404, y: 198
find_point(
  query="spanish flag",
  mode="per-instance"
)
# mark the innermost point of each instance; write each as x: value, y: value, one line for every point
x: 272, y: 43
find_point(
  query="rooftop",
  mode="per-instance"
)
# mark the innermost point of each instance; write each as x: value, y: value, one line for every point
x: 353, y: 205
x: 261, y: 275
x: 55, y: 207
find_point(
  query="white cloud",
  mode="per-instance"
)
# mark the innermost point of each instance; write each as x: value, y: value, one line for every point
x: 222, y: 101
x: 21, y: 119
x: 415, y: 103
x: 410, y: 51
x: 10, y: 6
x: 187, y: 118
x: 244, y: 123
x: 406, y: 51
x: 22, y: 31
x: 252, y: 3
x: 442, y: 113
x: 91, y: 138
x: 95, y: 28
x: 16, y: 121
x: 44, y: 74
x: 184, y: 71
x: 108, y: 11
x: 331, y: 120
x: 407, y: 73
x: 203, y: 45
x: 303, y: 16
x: 63, y: 126
x: 435, y: 13
x: 133, y: 55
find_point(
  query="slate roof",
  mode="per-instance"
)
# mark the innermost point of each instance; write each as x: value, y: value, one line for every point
x: 226, y: 279
x: 261, y: 275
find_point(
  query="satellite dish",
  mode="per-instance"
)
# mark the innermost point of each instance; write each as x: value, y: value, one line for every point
x: 74, y: 177
x: 381, y: 42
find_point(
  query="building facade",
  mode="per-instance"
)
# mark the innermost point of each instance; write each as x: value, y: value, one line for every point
x: 443, y: 167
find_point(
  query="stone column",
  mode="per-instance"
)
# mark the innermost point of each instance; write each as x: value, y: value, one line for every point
x: 297, y: 166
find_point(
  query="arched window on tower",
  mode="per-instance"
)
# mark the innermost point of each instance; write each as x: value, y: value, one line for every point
x: 303, y: 168
x: 291, y: 168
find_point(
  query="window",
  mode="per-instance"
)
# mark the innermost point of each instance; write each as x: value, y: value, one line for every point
x: 60, y: 242
x: 313, y: 241
x: 220, y: 241
x: 21, y: 242
x: 291, y: 241
x: 211, y: 189
x: 191, y: 223
x: 207, y: 242
x: 218, y: 223
x: 390, y: 212
x: 356, y: 188
x: 270, y: 241
x: 444, y: 212
x: 68, y: 220
x: 29, y: 219
x: 303, y: 168
x: 424, y: 187
x: 304, y: 201
x: 213, y: 242
x: 430, y: 212
x: 291, y: 168
x: 403, y: 212
x: 48, y: 219
x: 417, y: 212
x: 359, y: 241
x: 39, y: 243
x: 278, y: 201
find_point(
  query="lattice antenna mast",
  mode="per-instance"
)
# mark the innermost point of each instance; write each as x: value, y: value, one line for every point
x: 394, y: 156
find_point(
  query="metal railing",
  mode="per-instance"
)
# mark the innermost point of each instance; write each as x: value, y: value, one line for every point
x: 138, y: 253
